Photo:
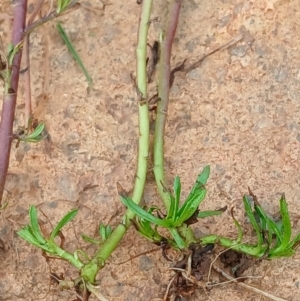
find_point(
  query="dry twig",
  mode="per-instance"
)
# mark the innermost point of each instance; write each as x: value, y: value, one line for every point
x: 246, y: 286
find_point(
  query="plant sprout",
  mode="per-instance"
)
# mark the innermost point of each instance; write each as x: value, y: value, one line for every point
x: 109, y: 238
x: 177, y: 216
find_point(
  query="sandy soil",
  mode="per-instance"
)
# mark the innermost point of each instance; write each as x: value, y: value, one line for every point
x: 239, y: 112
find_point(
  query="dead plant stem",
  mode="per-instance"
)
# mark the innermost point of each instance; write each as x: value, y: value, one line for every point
x: 28, y: 106
x: 246, y: 286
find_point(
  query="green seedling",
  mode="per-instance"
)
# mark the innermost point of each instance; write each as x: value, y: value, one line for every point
x: 37, y: 135
x: 109, y: 240
x: 63, y: 5
x: 104, y: 232
x: 273, y: 238
x: 12, y: 51
x: 32, y: 234
x: 277, y: 235
x: 6, y: 62
x: 176, y: 216
x: 145, y: 228
x: 74, y: 53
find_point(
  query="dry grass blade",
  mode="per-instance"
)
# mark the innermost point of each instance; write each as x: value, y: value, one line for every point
x: 74, y: 53
x: 168, y: 289
x: 246, y: 286
x: 198, y: 62
x: 95, y: 292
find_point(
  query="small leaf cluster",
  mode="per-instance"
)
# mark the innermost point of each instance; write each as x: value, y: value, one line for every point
x: 33, y: 234
x: 176, y: 217
x: 37, y: 135
x: 274, y: 239
x: 273, y: 236
x: 103, y: 232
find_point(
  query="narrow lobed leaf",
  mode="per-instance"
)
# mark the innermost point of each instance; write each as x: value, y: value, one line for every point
x: 26, y: 234
x: 252, y: 219
x: 66, y: 219
x: 34, y: 225
x: 142, y: 213
x: 200, y: 182
x: 189, y: 207
x: 286, y: 222
x: 204, y: 175
x: 177, y: 193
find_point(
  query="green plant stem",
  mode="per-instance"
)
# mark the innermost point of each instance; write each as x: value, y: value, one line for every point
x: 68, y: 257
x: 90, y: 271
x: 163, y: 93
x: 253, y: 250
x: 95, y: 292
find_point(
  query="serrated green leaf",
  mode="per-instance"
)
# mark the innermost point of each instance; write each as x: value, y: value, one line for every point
x: 34, y: 225
x: 286, y: 223
x: 26, y: 234
x: 66, y: 219
x: 189, y: 207
x: 142, y: 213
x: 200, y: 182
x: 171, y: 211
x: 204, y: 175
x: 267, y: 224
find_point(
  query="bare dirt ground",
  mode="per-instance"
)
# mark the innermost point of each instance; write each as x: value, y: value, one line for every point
x: 239, y: 112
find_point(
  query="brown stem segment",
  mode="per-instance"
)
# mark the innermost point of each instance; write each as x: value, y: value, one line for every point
x: 163, y: 92
x: 10, y: 98
x: 26, y: 59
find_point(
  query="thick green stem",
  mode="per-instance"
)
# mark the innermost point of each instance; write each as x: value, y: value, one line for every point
x: 67, y: 256
x: 163, y: 93
x: 90, y: 271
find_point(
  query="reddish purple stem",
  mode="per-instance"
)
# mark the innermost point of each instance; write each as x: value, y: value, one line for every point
x: 9, y: 99
x: 163, y: 93
x: 165, y: 55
